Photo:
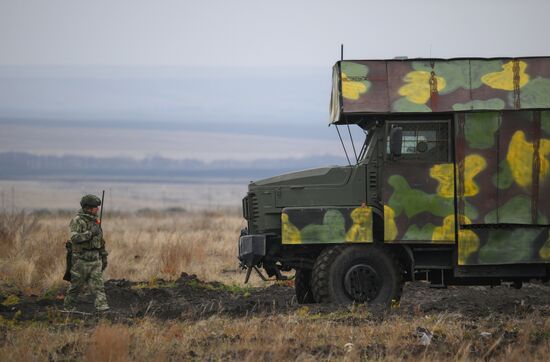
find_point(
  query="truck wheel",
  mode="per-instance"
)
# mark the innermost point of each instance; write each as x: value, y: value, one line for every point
x: 302, y: 285
x: 346, y: 274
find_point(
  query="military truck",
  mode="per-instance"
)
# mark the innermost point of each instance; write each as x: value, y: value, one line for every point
x: 451, y: 185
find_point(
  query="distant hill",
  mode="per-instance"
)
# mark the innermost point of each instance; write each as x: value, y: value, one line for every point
x: 20, y: 165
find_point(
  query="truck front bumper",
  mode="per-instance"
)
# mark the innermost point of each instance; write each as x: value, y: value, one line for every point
x: 252, y: 249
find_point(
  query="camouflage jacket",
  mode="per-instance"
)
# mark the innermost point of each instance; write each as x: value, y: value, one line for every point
x: 86, y: 236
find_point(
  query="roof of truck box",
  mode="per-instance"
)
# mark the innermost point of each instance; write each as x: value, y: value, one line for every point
x: 404, y: 86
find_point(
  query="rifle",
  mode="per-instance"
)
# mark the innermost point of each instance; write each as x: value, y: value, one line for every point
x: 69, y: 246
x: 103, y: 257
x: 101, y: 211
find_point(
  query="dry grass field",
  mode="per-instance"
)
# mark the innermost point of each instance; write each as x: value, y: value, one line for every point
x: 159, y: 315
x: 143, y: 245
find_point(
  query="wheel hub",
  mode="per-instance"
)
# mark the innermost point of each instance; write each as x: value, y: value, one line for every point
x: 362, y: 283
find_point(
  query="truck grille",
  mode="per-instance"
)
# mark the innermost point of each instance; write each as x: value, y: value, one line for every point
x: 253, y: 211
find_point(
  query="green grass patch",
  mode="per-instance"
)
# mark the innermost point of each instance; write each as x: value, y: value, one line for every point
x: 154, y: 283
x: 11, y: 300
x: 358, y: 312
x: 233, y: 288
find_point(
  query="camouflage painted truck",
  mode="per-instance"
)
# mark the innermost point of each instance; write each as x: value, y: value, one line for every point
x: 452, y: 184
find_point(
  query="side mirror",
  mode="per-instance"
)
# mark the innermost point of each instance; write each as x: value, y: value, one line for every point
x: 396, y: 141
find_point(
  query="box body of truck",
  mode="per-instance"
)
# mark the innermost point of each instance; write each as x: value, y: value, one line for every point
x: 452, y: 183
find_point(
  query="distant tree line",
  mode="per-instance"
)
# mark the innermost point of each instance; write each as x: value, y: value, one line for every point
x: 21, y: 164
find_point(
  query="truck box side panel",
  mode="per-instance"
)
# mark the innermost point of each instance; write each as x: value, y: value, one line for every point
x: 364, y: 77
x: 523, y: 173
x: 497, y: 155
x: 544, y: 180
x: 514, y: 227
x: 536, y: 92
x: 493, y: 246
x: 441, y: 85
x: 428, y: 86
x: 476, y: 146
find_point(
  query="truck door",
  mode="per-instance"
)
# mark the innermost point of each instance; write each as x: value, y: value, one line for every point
x: 418, y: 186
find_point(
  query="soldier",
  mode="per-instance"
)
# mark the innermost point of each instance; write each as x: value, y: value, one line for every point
x: 89, y: 257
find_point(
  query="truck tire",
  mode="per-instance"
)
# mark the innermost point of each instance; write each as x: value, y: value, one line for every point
x: 302, y: 286
x: 347, y: 274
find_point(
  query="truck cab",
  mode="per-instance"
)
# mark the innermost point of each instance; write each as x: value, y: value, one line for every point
x: 451, y: 184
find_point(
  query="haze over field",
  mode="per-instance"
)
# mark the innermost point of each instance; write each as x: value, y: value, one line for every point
x: 216, y: 80
x: 171, y: 112
x: 230, y: 85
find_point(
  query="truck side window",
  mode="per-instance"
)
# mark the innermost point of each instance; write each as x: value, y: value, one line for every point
x: 423, y: 141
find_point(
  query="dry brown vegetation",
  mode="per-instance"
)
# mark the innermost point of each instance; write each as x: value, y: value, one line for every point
x: 296, y: 336
x: 151, y: 245
x: 142, y: 246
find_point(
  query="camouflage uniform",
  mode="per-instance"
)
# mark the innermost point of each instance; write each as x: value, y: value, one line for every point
x: 89, y: 258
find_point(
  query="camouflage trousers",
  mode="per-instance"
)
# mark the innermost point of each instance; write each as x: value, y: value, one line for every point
x: 86, y: 273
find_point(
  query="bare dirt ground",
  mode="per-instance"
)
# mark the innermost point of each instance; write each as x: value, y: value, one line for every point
x: 192, y: 299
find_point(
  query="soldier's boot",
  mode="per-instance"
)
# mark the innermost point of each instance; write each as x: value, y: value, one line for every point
x: 101, y: 304
x: 102, y: 309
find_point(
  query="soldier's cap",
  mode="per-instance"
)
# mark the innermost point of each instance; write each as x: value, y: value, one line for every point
x: 90, y: 201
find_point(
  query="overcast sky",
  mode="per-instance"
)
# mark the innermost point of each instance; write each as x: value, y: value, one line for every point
x: 248, y: 69
x: 256, y: 33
